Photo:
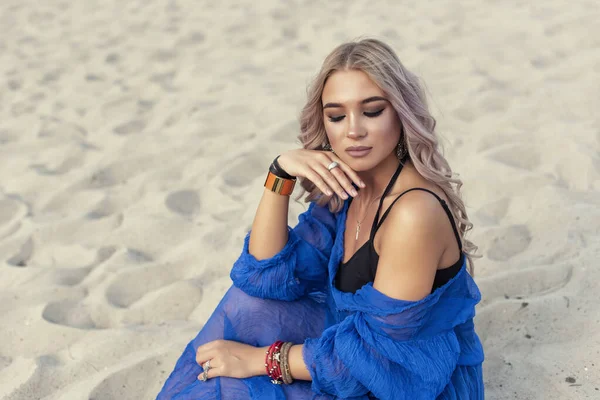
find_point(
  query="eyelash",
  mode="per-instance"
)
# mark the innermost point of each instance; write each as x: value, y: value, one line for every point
x: 370, y: 115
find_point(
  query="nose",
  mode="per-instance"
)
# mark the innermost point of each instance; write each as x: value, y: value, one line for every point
x: 355, y: 128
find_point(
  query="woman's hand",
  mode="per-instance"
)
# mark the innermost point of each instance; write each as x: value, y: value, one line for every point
x: 232, y: 359
x: 312, y: 164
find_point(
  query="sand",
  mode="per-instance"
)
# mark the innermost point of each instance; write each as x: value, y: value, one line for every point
x: 135, y: 137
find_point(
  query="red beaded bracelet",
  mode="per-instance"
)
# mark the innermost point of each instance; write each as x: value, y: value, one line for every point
x: 273, y: 363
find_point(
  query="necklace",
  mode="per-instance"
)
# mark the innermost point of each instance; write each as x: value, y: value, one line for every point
x: 363, y: 218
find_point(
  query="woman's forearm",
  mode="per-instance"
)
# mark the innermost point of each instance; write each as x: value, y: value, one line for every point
x: 269, y: 232
x: 297, y: 366
x: 298, y: 369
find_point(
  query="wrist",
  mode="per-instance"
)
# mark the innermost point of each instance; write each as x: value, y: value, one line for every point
x: 259, y: 364
x: 278, y: 180
x: 278, y: 170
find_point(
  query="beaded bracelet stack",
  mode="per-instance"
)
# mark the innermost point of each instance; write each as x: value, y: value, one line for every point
x: 277, y: 363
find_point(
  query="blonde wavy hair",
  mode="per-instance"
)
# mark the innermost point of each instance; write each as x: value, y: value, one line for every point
x: 406, y: 95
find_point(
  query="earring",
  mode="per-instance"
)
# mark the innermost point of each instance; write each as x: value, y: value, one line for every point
x: 327, y: 147
x: 401, y: 150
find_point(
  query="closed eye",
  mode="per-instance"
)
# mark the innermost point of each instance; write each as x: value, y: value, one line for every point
x: 368, y: 114
x: 374, y: 114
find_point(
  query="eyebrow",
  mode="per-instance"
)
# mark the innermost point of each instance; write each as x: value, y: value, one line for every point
x: 365, y: 101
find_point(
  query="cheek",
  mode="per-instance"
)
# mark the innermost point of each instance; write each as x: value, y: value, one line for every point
x: 334, y: 130
x: 386, y: 128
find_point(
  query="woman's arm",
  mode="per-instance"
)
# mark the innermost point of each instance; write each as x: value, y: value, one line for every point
x: 296, y: 269
x: 269, y: 232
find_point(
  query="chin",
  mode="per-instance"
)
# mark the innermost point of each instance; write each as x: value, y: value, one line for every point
x: 361, y: 164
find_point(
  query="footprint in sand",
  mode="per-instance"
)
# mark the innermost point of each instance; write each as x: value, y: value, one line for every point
x: 524, y: 284
x: 127, y: 128
x: 104, y: 253
x: 183, y: 202
x: 173, y: 302
x: 102, y: 178
x: 252, y: 166
x: 138, y: 257
x: 23, y: 256
x: 51, y: 76
x: 518, y: 156
x: 103, y: 209
x: 58, y: 128
x: 508, y: 242
x: 514, y: 294
x: 492, y: 213
x: 164, y: 80
x: 123, y: 383
x: 117, y: 173
x: 73, y: 161
x: 192, y: 39
x: 69, y: 313
x: 131, y: 285
x: 14, y: 84
x: 70, y: 276
x: 122, y: 109
x: 74, y: 276
x: 163, y: 55
x: 112, y: 58
x: 218, y: 238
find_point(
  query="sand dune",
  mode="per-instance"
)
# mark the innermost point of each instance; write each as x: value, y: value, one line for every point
x: 135, y: 137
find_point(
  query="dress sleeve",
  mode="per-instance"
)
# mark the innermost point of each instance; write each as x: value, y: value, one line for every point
x: 389, y: 348
x: 299, y: 268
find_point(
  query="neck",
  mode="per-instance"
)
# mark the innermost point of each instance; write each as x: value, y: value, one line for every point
x: 377, y: 178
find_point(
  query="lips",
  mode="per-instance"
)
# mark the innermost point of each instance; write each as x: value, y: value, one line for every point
x: 358, y: 151
x: 357, y: 148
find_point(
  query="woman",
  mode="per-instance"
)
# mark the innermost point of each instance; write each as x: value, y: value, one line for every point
x: 332, y: 309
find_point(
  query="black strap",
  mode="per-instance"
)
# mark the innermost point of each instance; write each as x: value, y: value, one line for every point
x: 442, y: 201
x: 385, y: 192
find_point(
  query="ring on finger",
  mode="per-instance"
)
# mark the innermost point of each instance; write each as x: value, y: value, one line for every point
x: 332, y: 165
x: 204, y: 376
x: 206, y: 366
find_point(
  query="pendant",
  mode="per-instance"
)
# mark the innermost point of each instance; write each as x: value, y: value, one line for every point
x: 357, y: 230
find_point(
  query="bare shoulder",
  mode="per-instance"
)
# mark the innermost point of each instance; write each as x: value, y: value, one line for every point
x: 412, y: 242
x: 416, y: 209
x: 417, y: 218
x: 413, y: 179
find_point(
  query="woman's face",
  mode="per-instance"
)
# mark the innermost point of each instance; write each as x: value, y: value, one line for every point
x: 356, y: 113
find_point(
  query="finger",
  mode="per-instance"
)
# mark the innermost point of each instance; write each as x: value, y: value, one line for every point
x: 343, y: 180
x: 335, y: 182
x: 203, y: 354
x: 212, y: 373
x: 319, y: 182
x: 212, y: 363
x: 350, y: 173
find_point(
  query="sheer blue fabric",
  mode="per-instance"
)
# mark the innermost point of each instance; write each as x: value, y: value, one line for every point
x: 361, y: 345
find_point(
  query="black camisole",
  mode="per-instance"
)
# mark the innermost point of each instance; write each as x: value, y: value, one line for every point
x: 361, y: 267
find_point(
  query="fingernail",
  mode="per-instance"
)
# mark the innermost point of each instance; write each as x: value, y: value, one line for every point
x: 344, y: 195
x: 362, y: 184
x: 354, y: 193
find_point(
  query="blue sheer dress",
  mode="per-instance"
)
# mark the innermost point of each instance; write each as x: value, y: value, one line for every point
x: 360, y: 345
